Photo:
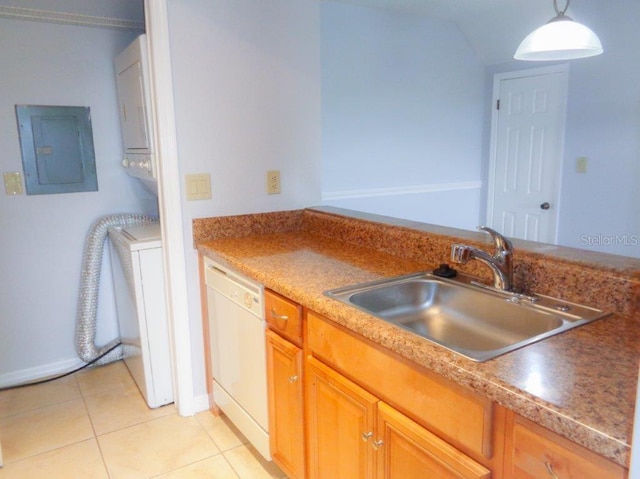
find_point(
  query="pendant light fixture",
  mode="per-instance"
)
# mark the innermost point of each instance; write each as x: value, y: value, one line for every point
x: 560, y: 38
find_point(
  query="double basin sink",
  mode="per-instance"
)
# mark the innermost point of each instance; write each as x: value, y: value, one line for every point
x: 468, y: 318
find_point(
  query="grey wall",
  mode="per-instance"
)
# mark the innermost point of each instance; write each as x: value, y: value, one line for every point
x: 406, y: 117
x: 402, y: 102
x: 42, y: 237
x: 599, y: 210
x: 247, y: 100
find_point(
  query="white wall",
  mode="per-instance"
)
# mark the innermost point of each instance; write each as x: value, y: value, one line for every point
x: 599, y: 210
x: 603, y: 124
x: 42, y: 237
x: 402, y: 105
x: 247, y: 99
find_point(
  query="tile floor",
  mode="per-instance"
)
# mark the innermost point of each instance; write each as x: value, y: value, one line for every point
x: 95, y: 424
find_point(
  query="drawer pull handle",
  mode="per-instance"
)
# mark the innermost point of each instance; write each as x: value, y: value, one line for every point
x: 378, y: 444
x: 277, y: 316
x: 550, y: 470
x: 293, y: 379
x: 366, y: 436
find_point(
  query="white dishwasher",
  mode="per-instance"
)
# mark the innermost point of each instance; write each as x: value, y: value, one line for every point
x: 235, y: 306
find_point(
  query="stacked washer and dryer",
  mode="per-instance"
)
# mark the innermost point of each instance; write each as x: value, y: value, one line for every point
x: 136, y: 251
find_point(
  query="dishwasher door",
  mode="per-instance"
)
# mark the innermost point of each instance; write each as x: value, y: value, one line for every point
x: 238, y: 352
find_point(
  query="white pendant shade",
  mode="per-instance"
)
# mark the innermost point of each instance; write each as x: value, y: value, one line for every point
x: 560, y: 39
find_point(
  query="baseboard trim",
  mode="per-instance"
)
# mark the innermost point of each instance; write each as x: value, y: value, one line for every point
x: 201, y: 403
x: 28, y: 375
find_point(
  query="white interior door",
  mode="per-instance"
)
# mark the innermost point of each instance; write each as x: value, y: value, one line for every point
x: 526, y: 152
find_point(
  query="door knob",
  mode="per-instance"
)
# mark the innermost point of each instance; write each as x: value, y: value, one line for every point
x: 545, y: 206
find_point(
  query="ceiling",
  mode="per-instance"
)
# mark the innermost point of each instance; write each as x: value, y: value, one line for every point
x: 494, y: 28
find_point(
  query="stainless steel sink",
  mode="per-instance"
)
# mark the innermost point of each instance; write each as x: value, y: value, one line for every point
x: 473, y: 320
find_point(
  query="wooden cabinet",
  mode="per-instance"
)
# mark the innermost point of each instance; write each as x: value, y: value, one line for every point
x: 533, y: 452
x: 284, y: 317
x: 353, y: 434
x: 343, y: 407
x: 286, y: 417
x: 408, y: 451
x: 284, y: 384
x: 460, y: 416
x: 340, y: 422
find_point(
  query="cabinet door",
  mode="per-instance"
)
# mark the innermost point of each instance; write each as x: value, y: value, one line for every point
x: 535, y: 452
x: 340, y: 421
x: 406, y: 450
x: 284, y: 376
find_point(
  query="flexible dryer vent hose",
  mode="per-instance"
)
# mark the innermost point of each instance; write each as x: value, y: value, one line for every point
x: 87, y: 311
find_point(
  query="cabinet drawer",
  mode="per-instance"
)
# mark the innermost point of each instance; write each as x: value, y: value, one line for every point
x: 284, y: 316
x: 458, y: 415
x: 536, y: 452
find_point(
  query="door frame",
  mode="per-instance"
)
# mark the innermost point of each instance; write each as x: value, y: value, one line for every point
x: 563, y: 69
x: 169, y: 199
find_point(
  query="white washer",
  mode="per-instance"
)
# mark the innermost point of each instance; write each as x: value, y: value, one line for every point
x: 138, y: 277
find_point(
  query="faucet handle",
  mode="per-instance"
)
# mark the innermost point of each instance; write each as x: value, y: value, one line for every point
x: 460, y: 253
x: 502, y: 243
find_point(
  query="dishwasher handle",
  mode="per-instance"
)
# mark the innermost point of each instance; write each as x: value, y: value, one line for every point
x: 216, y: 269
x: 246, y: 293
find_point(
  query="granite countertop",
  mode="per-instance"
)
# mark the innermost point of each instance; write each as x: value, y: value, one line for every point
x: 580, y: 384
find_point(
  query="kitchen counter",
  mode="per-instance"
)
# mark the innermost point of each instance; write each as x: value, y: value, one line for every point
x: 580, y: 384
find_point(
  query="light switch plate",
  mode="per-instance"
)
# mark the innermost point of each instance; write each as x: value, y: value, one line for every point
x: 581, y: 165
x: 198, y: 187
x: 13, y: 183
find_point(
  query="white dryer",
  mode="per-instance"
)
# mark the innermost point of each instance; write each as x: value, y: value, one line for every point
x: 138, y: 276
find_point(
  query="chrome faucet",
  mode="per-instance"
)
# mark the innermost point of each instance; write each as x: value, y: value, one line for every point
x: 501, y: 263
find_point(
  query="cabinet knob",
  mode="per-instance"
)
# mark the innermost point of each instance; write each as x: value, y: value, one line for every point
x: 293, y: 379
x: 277, y: 316
x: 366, y: 435
x: 545, y: 206
x: 552, y: 473
x: 378, y: 444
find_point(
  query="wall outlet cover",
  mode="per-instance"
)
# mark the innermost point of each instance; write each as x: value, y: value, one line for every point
x: 273, y: 182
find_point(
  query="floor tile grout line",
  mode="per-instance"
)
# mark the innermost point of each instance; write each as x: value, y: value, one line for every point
x: 86, y: 408
x: 189, y: 464
x: 242, y: 439
x: 95, y: 435
x: 31, y: 411
x: 42, y: 453
x: 26, y: 411
x: 123, y: 388
x: 144, y: 421
x: 218, y: 453
x: 235, y: 471
x: 43, y: 406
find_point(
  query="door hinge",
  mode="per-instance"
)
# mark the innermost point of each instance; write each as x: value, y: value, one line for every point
x: 497, y: 104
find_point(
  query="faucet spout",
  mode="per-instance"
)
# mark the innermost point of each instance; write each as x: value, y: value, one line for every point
x: 500, y: 263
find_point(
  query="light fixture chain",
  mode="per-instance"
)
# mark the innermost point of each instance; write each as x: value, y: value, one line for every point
x: 559, y: 12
